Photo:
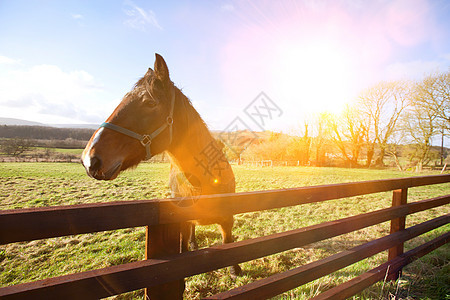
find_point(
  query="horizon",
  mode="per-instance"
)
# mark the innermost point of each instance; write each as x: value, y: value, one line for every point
x: 71, y: 63
x: 435, y: 142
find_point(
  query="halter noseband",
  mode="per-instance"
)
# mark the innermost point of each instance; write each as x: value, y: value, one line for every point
x: 146, y: 139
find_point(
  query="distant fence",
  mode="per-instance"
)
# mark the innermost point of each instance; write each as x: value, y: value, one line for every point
x: 273, y: 163
x: 60, y: 159
x: 163, y: 278
x: 49, y: 155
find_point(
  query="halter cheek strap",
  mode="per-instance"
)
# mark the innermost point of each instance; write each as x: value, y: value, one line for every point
x: 146, y: 139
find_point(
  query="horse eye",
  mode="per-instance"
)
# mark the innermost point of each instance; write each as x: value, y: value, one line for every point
x: 150, y: 102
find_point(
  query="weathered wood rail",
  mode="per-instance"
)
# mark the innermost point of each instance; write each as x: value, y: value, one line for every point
x: 164, y: 269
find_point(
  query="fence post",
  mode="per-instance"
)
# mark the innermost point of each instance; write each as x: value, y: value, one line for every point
x: 399, y: 197
x: 160, y: 241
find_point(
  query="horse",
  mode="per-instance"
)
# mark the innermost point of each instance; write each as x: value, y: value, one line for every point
x: 156, y: 117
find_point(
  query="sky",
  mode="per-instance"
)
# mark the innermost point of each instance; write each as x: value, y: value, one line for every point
x: 71, y: 62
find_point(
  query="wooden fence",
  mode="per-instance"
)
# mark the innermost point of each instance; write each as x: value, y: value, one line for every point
x: 164, y: 269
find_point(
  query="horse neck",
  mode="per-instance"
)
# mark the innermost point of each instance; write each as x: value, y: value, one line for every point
x: 196, y: 152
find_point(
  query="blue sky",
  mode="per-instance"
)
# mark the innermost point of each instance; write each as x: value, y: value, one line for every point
x: 72, y: 61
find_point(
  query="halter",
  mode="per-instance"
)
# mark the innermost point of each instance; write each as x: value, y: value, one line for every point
x: 146, y: 139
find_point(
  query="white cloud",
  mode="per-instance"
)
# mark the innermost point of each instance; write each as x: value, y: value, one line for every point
x: 48, y: 94
x: 139, y: 18
x: 8, y: 61
x: 77, y: 16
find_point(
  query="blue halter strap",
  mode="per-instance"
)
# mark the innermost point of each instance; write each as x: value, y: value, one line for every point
x: 146, y: 139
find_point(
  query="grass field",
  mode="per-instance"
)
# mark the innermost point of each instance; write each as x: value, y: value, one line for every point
x: 44, y: 184
x: 57, y: 150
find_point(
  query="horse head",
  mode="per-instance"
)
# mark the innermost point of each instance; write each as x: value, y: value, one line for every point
x: 139, y: 127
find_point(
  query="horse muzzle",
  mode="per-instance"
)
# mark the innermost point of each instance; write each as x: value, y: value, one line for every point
x: 96, y: 169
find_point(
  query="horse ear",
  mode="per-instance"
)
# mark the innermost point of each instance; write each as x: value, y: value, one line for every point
x: 161, y: 69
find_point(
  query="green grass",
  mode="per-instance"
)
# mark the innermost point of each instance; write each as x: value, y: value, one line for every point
x: 46, y: 184
x: 56, y: 150
x: 68, y: 151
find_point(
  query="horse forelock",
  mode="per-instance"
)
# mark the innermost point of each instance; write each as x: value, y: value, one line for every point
x: 141, y: 82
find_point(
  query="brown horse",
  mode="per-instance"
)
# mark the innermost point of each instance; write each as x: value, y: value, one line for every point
x: 155, y: 117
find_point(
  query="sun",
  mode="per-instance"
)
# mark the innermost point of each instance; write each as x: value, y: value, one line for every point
x: 316, y: 76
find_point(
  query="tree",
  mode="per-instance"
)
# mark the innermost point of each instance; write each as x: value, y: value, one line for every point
x: 382, y: 105
x: 348, y: 133
x: 274, y: 148
x: 421, y: 122
x: 434, y: 93
x: 15, y: 147
x: 322, y: 136
x: 299, y: 148
x: 394, y: 147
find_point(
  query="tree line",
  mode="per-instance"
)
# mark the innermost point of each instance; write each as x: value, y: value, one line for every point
x: 16, y: 140
x: 392, y: 119
x: 44, y: 133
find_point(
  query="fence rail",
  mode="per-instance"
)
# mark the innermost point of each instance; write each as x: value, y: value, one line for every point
x: 162, y: 217
x: 361, y: 282
x: 27, y: 225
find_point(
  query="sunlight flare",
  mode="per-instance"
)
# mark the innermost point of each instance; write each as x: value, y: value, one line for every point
x: 316, y: 77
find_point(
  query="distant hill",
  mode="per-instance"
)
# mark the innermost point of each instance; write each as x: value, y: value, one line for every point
x: 79, y: 126
x: 20, y: 122
x: 11, y: 121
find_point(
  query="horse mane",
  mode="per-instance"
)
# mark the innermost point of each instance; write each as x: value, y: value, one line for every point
x: 140, y: 82
x: 190, y: 110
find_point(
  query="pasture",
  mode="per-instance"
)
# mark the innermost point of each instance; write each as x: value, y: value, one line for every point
x: 44, y: 184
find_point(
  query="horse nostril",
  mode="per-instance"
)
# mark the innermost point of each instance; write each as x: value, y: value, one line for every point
x: 95, y: 164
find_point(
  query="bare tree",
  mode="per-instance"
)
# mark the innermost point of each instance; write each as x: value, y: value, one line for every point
x: 299, y: 148
x: 382, y: 106
x: 15, y: 147
x: 422, y: 122
x: 435, y: 91
x: 321, y: 140
x: 348, y: 133
x: 369, y: 136
x: 435, y: 95
x: 393, y: 148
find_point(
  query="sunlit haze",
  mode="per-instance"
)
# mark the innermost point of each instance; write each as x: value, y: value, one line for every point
x: 72, y: 61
